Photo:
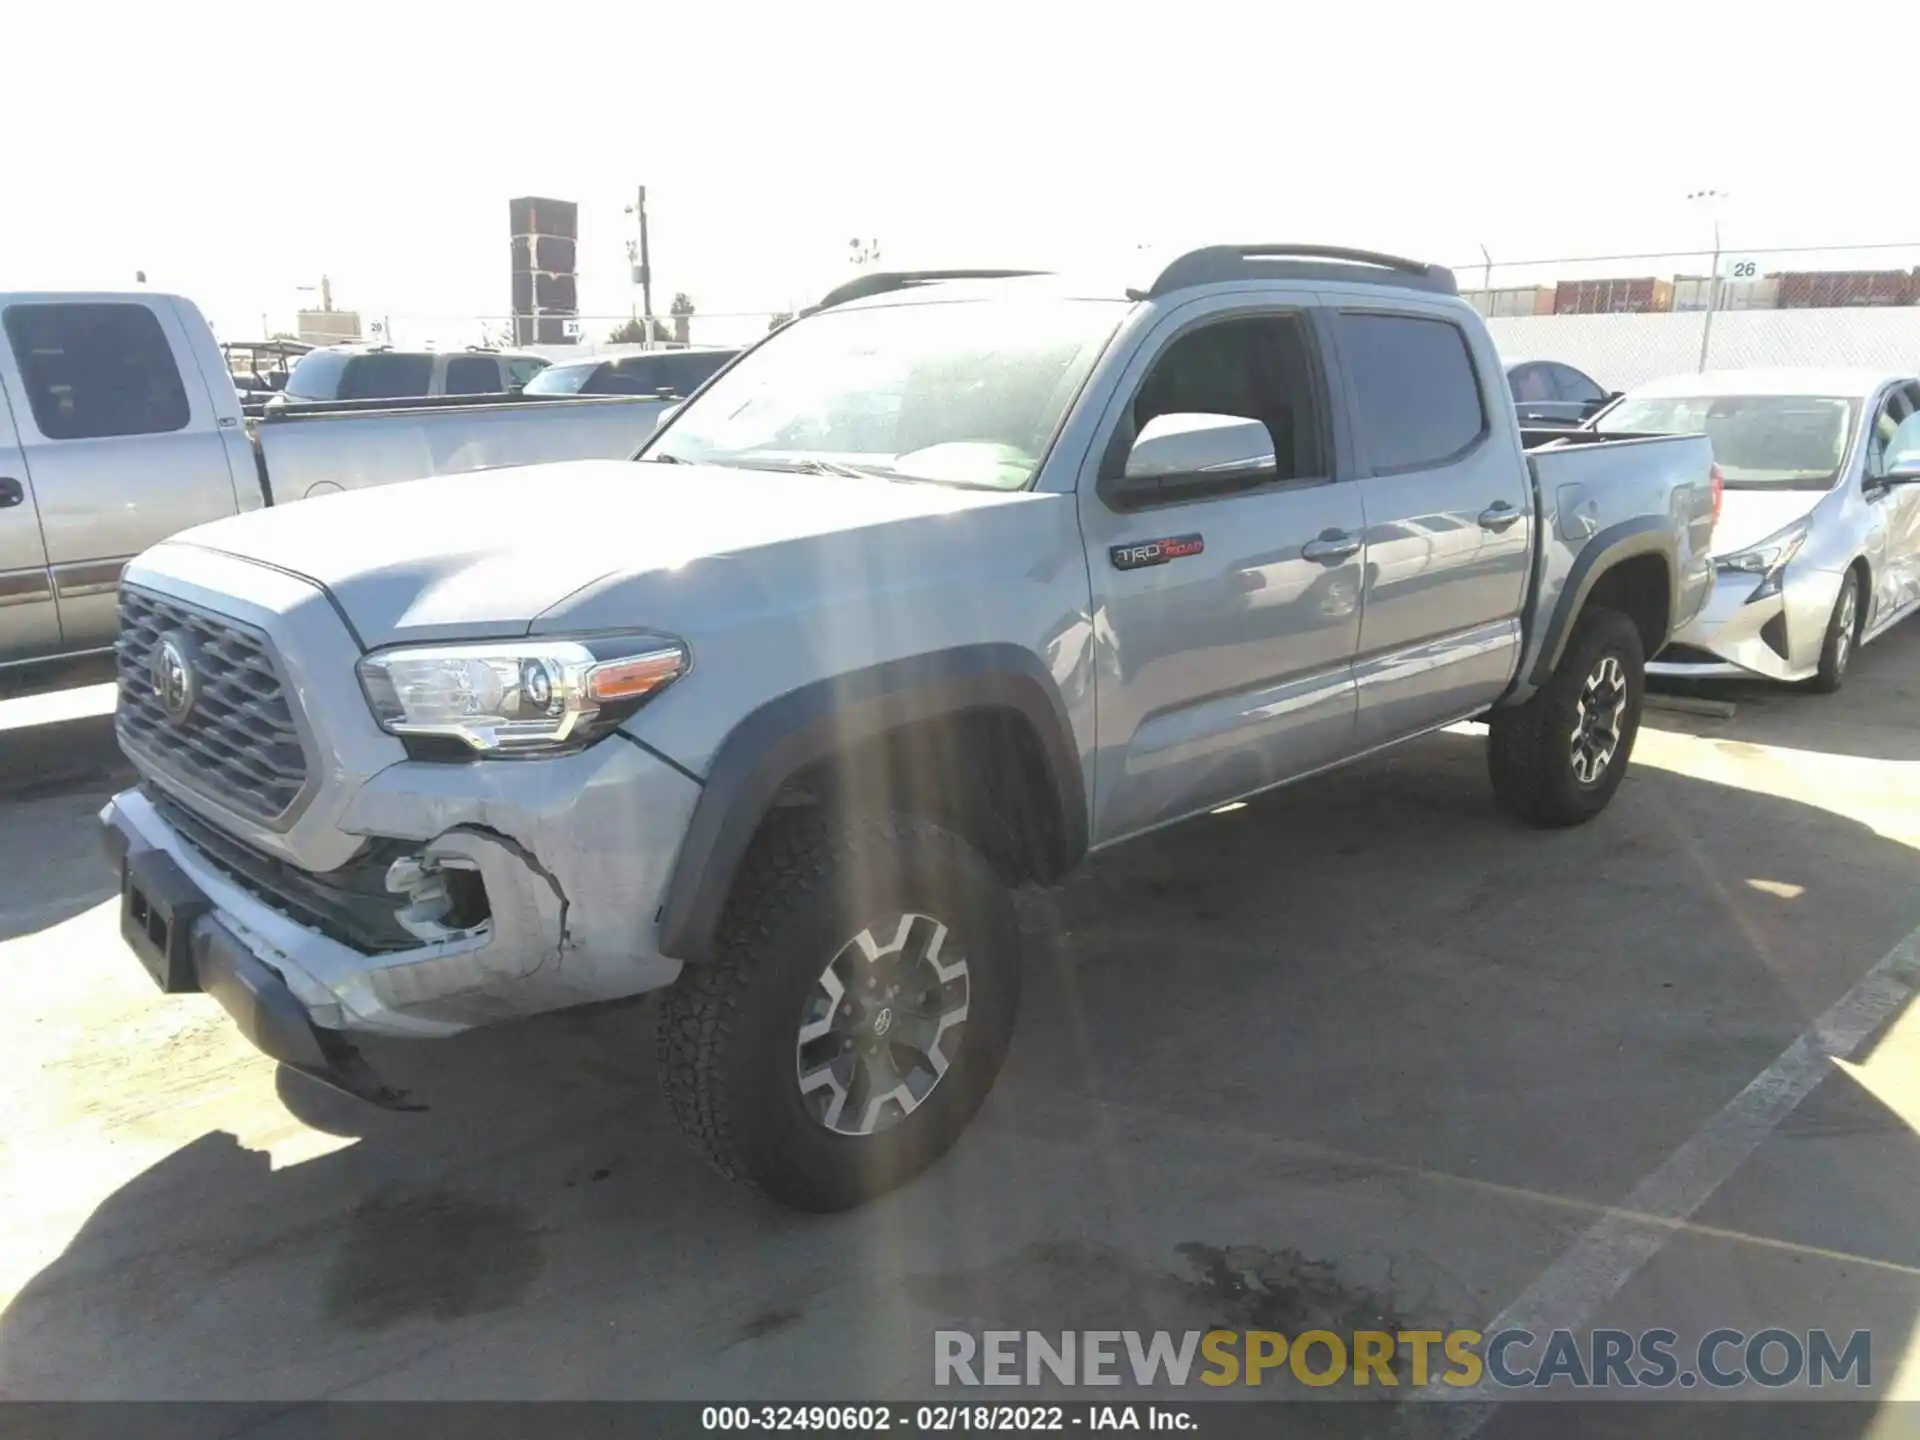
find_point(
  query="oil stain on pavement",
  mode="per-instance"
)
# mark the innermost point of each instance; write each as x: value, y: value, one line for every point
x: 435, y: 1255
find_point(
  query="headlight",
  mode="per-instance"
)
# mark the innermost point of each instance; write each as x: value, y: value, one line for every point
x: 1768, y: 559
x: 519, y: 697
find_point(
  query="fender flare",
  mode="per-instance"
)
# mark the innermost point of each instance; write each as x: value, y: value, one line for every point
x: 807, y: 725
x: 1630, y: 539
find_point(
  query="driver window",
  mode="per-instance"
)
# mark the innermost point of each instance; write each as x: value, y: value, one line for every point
x: 1254, y: 368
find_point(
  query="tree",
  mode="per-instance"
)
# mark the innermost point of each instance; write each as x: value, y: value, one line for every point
x: 634, y: 332
x: 682, y: 312
x: 784, y: 317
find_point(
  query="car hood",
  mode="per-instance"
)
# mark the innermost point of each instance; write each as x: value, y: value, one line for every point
x: 488, y: 552
x: 1749, y: 516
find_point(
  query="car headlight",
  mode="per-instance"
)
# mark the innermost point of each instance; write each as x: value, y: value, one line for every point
x: 1768, y: 559
x: 519, y: 697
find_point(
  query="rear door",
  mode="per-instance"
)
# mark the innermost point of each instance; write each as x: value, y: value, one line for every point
x: 473, y: 375
x: 120, y: 438
x: 1449, y: 516
x: 29, y: 623
x: 1226, y: 648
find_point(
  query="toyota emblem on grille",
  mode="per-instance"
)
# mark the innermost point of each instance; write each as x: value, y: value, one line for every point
x: 175, y: 686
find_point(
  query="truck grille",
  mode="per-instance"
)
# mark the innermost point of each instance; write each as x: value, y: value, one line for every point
x: 351, y: 905
x: 237, y: 743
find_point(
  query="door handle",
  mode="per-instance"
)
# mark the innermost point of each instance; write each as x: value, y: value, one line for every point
x: 1498, y: 516
x: 12, y: 493
x: 1330, y: 547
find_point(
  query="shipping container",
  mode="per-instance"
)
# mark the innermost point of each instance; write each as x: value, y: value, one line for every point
x: 1691, y: 292
x: 1611, y: 297
x: 1836, y: 289
x: 1512, y: 301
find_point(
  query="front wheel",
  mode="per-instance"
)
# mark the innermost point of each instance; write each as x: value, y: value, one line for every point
x: 1842, y: 638
x: 855, y: 1013
x: 1556, y: 760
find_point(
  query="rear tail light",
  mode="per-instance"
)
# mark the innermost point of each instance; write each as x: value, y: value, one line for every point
x: 1719, y: 490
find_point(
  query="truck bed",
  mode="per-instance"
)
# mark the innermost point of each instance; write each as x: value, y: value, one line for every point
x: 1608, y: 495
x: 309, y: 450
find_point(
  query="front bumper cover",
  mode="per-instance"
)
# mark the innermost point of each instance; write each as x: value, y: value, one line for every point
x: 1737, y: 637
x: 573, y: 854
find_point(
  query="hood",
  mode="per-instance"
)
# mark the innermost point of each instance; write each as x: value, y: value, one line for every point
x: 487, y: 552
x: 1749, y: 516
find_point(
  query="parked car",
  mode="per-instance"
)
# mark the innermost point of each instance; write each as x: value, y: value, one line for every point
x: 379, y: 372
x: 1547, y: 393
x: 119, y: 425
x: 670, y: 374
x: 1818, y: 546
x: 929, y: 594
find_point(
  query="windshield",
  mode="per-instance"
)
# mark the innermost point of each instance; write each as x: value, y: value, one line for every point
x: 959, y: 393
x: 1760, y: 442
x: 561, y: 379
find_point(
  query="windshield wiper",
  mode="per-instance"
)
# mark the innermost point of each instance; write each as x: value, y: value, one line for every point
x: 664, y: 459
x: 809, y: 467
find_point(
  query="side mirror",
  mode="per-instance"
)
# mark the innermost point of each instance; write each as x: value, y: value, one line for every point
x: 1181, y: 454
x: 664, y: 416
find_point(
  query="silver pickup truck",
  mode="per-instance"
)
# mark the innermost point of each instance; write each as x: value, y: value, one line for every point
x: 933, y: 592
x: 120, y: 425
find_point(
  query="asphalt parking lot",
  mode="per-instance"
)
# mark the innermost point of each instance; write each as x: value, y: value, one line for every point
x: 1361, y: 1051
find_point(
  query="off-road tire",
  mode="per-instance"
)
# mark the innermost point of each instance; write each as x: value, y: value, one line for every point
x: 1529, y: 750
x: 728, y: 1025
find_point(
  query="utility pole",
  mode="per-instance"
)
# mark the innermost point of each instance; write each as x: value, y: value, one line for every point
x: 1713, y: 199
x: 643, y: 265
x: 1486, y: 278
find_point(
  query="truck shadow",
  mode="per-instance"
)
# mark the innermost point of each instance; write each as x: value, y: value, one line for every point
x: 1373, y: 968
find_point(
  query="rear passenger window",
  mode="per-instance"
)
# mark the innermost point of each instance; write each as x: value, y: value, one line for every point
x: 386, y: 377
x: 1418, y: 395
x: 473, y: 375
x: 95, y: 370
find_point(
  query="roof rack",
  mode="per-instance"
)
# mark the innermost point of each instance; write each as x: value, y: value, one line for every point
x: 1216, y: 263
x: 883, y: 282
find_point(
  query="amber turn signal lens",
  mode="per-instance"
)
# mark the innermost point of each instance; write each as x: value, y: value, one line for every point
x: 632, y: 678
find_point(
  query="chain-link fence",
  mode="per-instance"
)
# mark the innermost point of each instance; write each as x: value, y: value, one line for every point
x: 1627, y: 319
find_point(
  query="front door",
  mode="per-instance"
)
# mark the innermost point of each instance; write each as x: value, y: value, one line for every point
x: 29, y: 623
x: 1449, y: 518
x: 1225, y: 654
x: 120, y: 437
x: 1896, y: 586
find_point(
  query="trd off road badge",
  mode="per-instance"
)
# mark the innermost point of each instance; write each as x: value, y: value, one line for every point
x: 1142, y: 553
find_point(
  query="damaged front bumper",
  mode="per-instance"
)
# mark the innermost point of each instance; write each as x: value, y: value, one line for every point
x: 501, y: 889
x: 1776, y: 636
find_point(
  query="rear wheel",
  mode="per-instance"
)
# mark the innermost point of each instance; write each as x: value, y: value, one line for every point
x: 1843, y: 638
x: 1556, y: 760
x: 856, y: 1013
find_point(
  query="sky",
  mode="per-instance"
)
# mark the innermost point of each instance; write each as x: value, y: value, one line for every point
x: 236, y: 154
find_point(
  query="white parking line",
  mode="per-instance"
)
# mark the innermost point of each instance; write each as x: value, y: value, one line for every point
x: 1599, y: 1264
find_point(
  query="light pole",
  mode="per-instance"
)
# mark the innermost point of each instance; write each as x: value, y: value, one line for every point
x: 642, y: 263
x: 1712, y: 199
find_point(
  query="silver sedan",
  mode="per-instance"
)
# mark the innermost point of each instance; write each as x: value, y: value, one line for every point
x: 1817, y: 549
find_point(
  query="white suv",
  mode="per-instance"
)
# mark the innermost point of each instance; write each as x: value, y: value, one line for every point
x: 358, y: 372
